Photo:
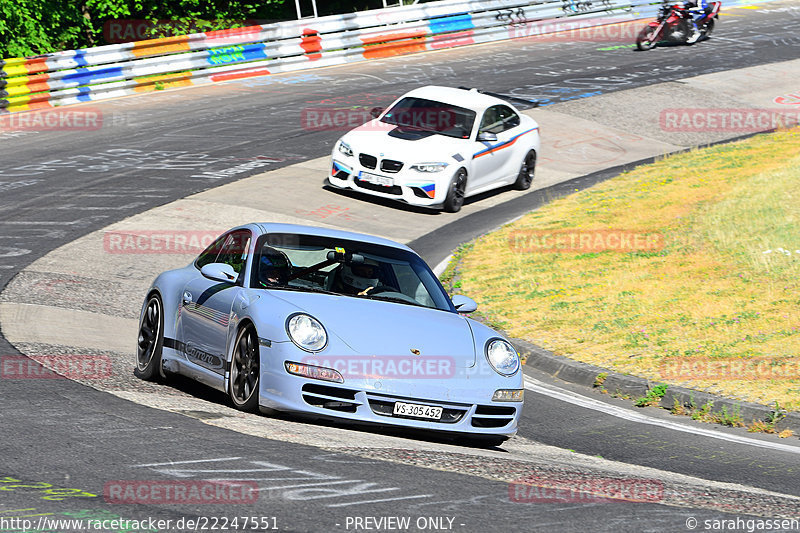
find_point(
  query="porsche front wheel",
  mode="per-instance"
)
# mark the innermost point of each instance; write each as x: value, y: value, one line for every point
x: 150, y: 341
x: 244, y: 381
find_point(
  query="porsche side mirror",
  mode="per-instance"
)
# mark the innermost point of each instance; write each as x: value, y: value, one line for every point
x: 219, y: 272
x: 464, y: 304
x: 487, y: 137
x: 375, y: 112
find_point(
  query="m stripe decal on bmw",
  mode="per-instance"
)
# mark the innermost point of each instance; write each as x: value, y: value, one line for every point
x: 502, y: 145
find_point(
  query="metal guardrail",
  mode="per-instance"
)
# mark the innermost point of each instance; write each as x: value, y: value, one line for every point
x: 89, y: 74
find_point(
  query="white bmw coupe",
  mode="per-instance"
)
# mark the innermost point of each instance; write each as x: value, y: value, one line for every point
x: 435, y: 146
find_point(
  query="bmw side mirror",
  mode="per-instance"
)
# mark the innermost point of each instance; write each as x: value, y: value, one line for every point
x: 219, y: 272
x: 375, y: 112
x: 487, y: 137
x: 464, y: 304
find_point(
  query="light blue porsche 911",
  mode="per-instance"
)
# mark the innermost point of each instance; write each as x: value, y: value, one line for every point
x: 330, y: 323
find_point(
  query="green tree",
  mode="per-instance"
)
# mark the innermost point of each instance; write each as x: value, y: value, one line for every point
x: 31, y: 27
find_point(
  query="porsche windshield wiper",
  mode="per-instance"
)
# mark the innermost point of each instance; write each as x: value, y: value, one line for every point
x: 300, y: 289
x: 390, y: 299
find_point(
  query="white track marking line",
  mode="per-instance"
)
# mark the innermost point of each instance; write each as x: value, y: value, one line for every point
x: 613, y: 410
x: 194, y: 461
x: 382, y: 500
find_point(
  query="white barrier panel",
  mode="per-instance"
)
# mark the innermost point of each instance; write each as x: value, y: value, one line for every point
x: 108, y: 71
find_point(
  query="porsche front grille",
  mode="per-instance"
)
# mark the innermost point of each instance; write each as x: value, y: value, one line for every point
x: 334, y: 398
x: 493, y: 416
x: 384, y: 406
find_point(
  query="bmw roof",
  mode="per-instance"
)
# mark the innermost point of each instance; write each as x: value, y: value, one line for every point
x: 469, y: 98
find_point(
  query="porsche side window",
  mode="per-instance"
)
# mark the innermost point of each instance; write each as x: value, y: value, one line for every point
x: 234, y: 250
x: 209, y: 255
x: 509, y: 118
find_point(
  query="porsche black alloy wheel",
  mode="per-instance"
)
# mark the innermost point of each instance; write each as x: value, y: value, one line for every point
x: 150, y: 341
x: 245, y: 370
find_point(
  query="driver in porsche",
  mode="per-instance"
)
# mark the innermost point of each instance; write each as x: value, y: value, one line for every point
x: 358, y: 279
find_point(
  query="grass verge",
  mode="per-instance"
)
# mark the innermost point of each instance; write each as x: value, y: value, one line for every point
x: 685, y: 271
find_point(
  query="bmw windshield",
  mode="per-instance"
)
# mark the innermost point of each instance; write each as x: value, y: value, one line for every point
x: 313, y: 263
x: 431, y: 116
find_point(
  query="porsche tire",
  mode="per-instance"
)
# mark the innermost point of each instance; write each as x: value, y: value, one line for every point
x: 244, y: 382
x: 150, y: 341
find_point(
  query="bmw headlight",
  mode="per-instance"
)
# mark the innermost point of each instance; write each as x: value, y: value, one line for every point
x: 306, y: 332
x: 429, y: 167
x: 345, y: 149
x: 502, y: 356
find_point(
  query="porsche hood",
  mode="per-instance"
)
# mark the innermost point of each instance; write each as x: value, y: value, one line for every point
x: 370, y: 327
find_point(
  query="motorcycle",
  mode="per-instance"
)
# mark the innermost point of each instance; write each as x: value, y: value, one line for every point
x: 674, y: 25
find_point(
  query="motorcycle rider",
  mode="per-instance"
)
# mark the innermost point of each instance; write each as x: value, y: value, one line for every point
x: 697, y: 10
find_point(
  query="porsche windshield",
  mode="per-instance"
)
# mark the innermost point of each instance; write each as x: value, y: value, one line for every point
x: 313, y: 263
x: 429, y: 115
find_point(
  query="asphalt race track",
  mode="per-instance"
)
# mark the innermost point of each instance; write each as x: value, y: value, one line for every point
x: 57, y: 434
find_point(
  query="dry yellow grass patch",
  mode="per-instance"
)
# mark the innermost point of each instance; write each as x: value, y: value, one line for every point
x: 722, y: 289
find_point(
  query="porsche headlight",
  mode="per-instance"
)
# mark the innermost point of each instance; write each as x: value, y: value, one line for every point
x: 306, y: 332
x: 502, y: 357
x: 345, y: 149
x: 429, y: 167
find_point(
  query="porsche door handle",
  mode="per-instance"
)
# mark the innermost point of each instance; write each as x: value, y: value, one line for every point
x: 187, y: 297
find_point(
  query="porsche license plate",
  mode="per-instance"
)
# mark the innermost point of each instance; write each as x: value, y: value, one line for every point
x: 417, y: 411
x: 376, y: 179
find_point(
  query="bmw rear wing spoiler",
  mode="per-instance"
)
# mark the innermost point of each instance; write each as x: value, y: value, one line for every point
x: 523, y: 103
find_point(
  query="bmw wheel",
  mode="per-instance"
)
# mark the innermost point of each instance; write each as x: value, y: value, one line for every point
x: 526, y: 172
x: 150, y: 341
x: 243, y: 384
x: 455, y: 193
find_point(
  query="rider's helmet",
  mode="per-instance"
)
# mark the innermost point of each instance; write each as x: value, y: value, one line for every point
x: 273, y: 267
x: 358, y: 277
